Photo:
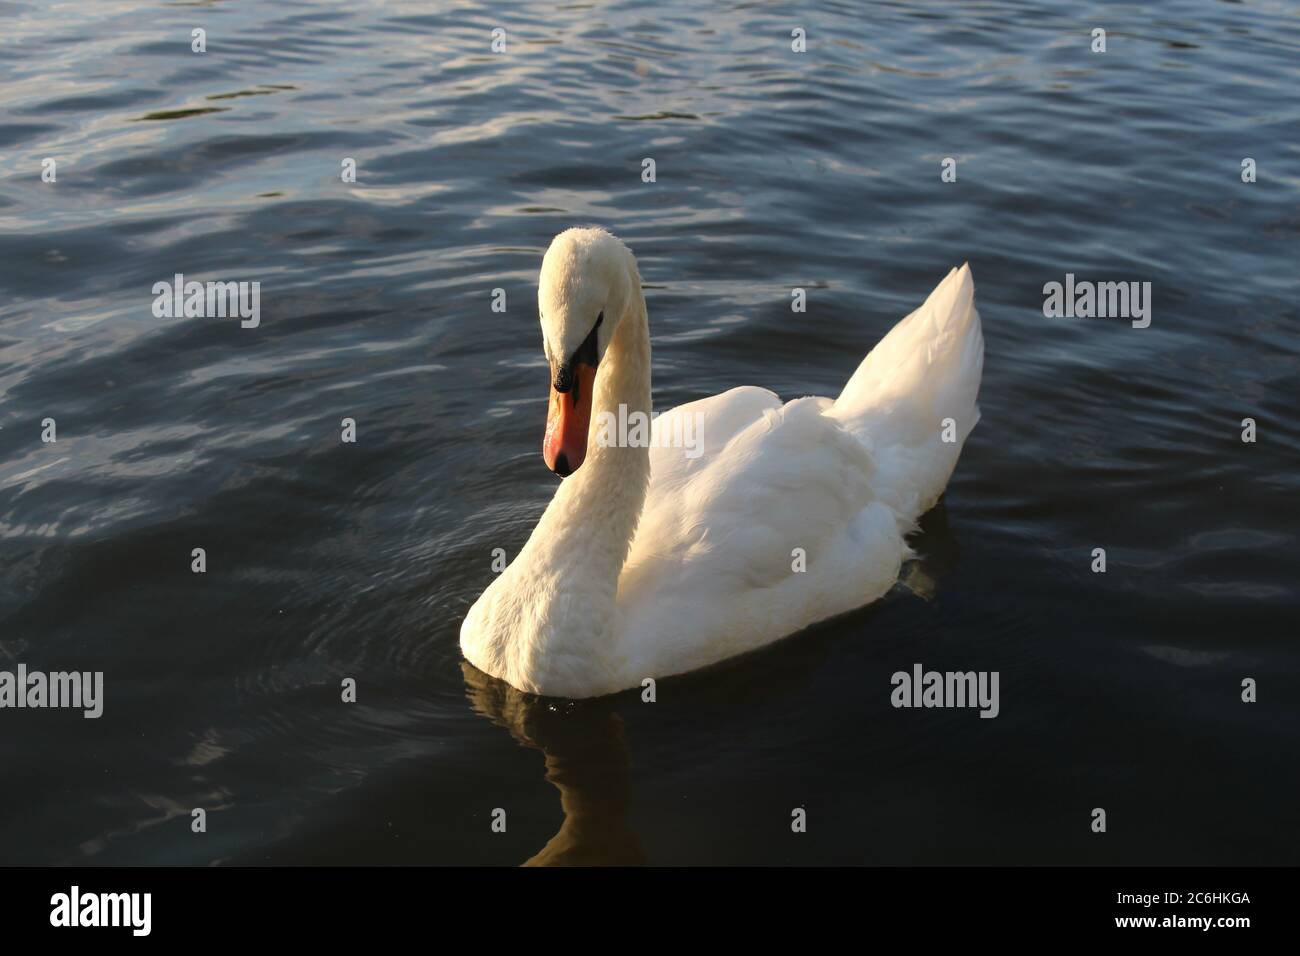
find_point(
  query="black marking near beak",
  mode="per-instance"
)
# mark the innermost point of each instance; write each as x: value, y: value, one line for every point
x: 587, y: 354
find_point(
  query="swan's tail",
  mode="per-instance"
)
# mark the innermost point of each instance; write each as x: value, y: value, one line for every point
x: 912, y: 400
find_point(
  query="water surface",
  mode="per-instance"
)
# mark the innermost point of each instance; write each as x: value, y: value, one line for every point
x: 775, y: 170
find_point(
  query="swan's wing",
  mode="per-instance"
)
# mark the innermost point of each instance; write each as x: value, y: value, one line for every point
x: 713, y: 569
x: 924, y: 374
x: 787, y: 479
x: 686, y: 437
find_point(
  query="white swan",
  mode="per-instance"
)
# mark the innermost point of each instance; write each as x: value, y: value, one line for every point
x: 648, y: 562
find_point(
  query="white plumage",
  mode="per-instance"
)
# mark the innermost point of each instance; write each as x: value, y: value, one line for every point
x: 598, y: 600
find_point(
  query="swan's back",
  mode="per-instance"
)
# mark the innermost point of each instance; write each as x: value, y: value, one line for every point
x: 795, y: 513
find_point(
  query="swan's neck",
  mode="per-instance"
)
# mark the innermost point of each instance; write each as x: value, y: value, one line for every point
x: 594, y: 513
x: 578, y: 548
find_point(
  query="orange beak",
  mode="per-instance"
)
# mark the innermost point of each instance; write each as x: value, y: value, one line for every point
x: 569, y: 420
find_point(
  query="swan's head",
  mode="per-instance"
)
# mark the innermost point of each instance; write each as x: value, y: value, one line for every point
x: 585, y: 288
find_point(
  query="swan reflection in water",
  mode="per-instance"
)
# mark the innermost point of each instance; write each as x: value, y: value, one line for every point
x: 587, y: 760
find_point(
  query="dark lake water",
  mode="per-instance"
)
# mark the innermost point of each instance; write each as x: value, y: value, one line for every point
x: 775, y: 170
